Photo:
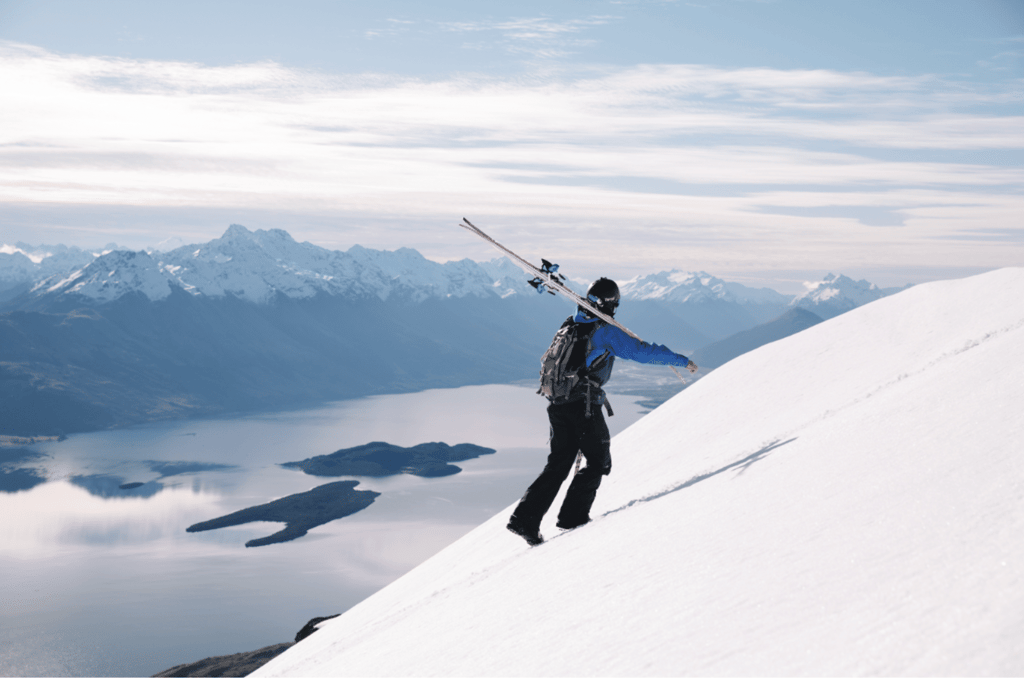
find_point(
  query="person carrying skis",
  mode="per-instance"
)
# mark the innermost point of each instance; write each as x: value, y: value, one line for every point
x: 589, y: 347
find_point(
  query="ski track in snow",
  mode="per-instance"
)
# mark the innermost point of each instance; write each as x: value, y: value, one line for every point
x: 743, y: 464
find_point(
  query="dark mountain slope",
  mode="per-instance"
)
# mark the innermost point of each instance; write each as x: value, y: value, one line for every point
x: 717, y: 354
x: 131, y: 360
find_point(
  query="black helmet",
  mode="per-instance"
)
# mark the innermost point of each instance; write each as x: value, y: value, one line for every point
x: 604, y: 295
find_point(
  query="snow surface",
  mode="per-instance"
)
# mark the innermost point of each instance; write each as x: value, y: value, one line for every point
x: 848, y: 500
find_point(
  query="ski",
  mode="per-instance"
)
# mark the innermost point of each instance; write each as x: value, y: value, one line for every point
x: 547, y: 279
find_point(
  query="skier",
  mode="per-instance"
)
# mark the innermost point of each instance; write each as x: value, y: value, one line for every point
x: 577, y: 424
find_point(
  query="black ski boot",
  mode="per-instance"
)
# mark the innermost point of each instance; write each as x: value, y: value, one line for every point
x: 531, y: 535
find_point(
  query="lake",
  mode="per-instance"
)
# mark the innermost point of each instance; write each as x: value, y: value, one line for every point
x: 105, y: 582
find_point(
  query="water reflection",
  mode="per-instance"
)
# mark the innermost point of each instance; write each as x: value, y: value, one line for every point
x: 103, y: 485
x: 17, y: 455
x: 175, y: 468
x: 100, y: 579
x: 54, y: 517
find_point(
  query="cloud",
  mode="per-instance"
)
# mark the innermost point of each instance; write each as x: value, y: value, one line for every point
x: 734, y: 166
x: 541, y: 37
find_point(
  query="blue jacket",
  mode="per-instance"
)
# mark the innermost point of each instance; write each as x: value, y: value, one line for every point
x: 608, y: 342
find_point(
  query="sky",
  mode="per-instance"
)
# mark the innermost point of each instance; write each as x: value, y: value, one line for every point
x: 767, y: 142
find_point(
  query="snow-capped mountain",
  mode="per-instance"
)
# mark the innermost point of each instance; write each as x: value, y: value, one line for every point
x: 696, y: 287
x: 677, y: 286
x: 837, y: 294
x: 111, y: 276
x: 801, y: 511
x: 258, y: 266
x: 699, y: 287
x: 23, y: 265
x: 55, y: 258
x: 696, y: 308
x: 15, y: 267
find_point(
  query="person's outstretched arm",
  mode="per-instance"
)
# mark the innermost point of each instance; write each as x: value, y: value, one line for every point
x: 610, y: 339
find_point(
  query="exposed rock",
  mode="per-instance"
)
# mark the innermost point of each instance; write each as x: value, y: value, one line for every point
x: 311, y: 627
x: 242, y: 663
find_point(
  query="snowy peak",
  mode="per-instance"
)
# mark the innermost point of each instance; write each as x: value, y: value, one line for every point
x: 836, y: 294
x: 255, y: 266
x: 22, y: 263
x: 258, y: 266
x: 17, y: 251
x: 677, y: 286
x: 15, y: 266
x: 113, y: 275
x: 697, y: 287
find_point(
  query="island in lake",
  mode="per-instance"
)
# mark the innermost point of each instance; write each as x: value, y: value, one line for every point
x: 306, y: 510
x: 377, y: 459
x: 301, y: 512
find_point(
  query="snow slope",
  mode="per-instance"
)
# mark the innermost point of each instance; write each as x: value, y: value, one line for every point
x: 848, y: 500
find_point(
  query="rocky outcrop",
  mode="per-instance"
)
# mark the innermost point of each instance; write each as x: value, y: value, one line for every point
x: 242, y: 663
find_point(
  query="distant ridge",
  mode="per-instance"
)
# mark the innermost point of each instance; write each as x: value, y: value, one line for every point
x: 720, y: 352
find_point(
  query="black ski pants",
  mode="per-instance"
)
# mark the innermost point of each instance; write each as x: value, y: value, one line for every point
x: 572, y: 431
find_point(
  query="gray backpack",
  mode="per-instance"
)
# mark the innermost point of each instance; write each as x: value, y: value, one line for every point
x: 562, y: 369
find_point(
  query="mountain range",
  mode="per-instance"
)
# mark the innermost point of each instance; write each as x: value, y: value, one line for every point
x: 255, y: 320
